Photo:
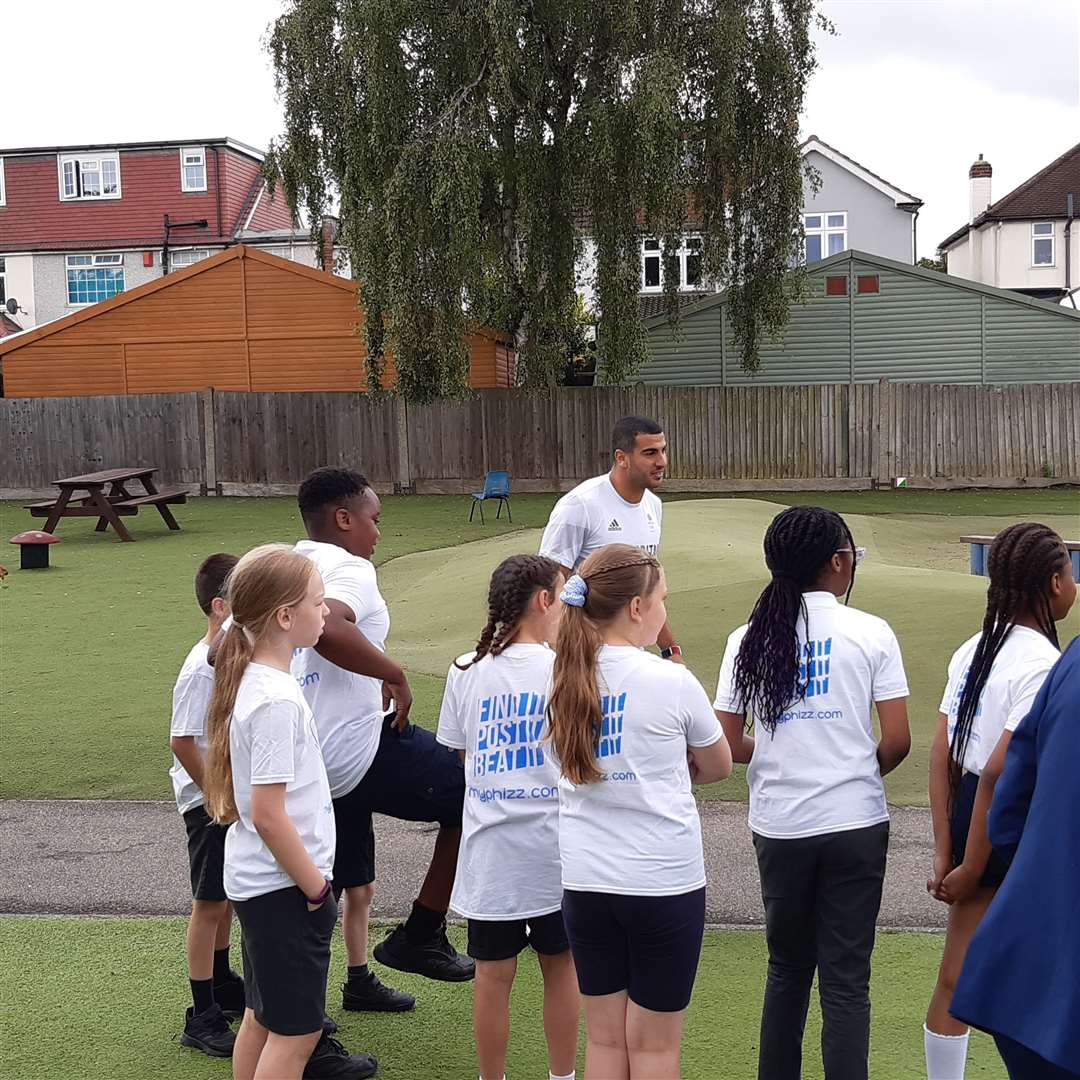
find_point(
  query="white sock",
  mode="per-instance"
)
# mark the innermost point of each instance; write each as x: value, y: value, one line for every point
x: 571, y: 1075
x: 946, y: 1055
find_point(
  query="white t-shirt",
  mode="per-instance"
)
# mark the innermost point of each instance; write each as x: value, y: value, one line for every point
x: 347, y: 707
x: 818, y: 772
x: 272, y: 740
x: 1014, y: 681
x: 190, y: 703
x: 508, y: 862
x: 593, y: 515
x: 637, y: 831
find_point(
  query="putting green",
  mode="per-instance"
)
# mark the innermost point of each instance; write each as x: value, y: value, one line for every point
x: 915, y: 576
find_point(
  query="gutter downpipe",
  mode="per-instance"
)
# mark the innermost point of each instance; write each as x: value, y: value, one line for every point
x: 1068, y: 249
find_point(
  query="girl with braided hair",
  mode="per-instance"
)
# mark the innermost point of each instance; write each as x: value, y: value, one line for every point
x: 993, y: 679
x: 630, y: 732
x: 507, y: 883
x: 808, y: 671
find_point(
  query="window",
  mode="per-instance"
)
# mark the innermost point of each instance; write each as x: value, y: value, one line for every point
x: 3, y: 280
x: 825, y: 235
x: 3, y: 189
x: 688, y: 259
x: 1042, y: 243
x: 91, y: 278
x: 178, y: 259
x: 193, y: 169
x: 868, y: 283
x: 836, y: 285
x: 95, y: 176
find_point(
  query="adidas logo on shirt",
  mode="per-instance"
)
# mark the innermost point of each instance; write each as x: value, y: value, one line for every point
x: 614, y: 526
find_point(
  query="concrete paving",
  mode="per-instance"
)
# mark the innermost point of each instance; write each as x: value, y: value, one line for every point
x: 128, y: 858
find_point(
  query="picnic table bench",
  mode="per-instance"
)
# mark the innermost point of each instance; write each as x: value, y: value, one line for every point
x: 109, y: 506
x: 980, y: 550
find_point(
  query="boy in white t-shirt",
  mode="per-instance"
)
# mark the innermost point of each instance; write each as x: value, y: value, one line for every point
x: 620, y: 507
x: 810, y: 671
x: 216, y: 990
x: 993, y: 679
x: 508, y: 882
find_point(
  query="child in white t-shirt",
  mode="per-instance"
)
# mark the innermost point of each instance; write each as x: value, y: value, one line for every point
x: 265, y: 775
x: 809, y: 671
x: 993, y: 679
x: 630, y: 732
x: 216, y: 990
x: 508, y: 883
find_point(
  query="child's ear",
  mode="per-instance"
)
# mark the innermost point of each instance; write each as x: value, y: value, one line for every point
x: 219, y: 608
x: 1056, y: 584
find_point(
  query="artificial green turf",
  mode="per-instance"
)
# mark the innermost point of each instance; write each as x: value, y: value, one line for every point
x: 117, y: 1009
x: 91, y: 647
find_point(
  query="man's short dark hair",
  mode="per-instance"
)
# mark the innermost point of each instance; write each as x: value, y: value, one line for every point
x: 629, y: 428
x: 210, y: 579
x: 326, y: 487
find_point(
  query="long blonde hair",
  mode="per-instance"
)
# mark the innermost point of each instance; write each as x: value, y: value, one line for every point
x: 264, y: 581
x: 614, y: 575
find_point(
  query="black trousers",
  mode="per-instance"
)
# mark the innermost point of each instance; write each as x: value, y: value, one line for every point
x: 821, y: 896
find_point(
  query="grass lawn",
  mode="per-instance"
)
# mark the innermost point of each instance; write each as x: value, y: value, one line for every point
x: 118, y: 1010
x: 91, y: 647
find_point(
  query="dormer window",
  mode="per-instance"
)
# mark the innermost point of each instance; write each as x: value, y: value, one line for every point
x: 89, y: 176
x: 192, y: 168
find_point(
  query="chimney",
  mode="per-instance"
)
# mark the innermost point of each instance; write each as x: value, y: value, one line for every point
x: 328, y: 235
x: 979, y: 179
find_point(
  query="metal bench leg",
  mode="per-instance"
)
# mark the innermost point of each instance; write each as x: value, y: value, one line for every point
x: 510, y: 517
x: 472, y: 510
x: 498, y: 511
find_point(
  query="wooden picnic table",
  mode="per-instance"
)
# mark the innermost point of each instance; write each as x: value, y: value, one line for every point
x: 108, y: 506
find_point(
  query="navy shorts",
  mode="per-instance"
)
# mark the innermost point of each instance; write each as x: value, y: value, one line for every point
x: 412, y: 778
x: 501, y: 939
x: 960, y: 820
x: 206, y: 854
x: 648, y: 946
x: 286, y: 957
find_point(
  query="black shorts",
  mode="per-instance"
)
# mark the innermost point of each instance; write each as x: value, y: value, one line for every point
x: 959, y: 822
x: 648, y: 946
x: 491, y: 939
x: 206, y: 854
x: 286, y: 957
x: 413, y: 778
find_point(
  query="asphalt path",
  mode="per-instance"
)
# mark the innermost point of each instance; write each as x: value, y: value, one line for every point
x: 61, y: 857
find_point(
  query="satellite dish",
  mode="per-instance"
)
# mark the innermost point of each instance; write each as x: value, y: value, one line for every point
x: 12, y: 306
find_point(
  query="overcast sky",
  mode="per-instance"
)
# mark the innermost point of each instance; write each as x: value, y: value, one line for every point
x: 914, y: 90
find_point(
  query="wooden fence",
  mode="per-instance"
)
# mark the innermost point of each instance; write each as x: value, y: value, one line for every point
x: 721, y: 438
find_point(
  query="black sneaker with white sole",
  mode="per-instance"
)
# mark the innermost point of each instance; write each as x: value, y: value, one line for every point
x: 435, y: 958
x: 208, y: 1032
x: 230, y: 996
x: 331, y: 1061
x: 370, y: 995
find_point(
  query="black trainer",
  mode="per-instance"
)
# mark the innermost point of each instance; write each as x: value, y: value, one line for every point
x: 230, y: 996
x: 435, y: 958
x: 208, y: 1032
x: 370, y: 995
x: 329, y: 1025
x: 331, y: 1061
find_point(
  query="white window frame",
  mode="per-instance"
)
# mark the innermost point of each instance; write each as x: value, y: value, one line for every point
x: 198, y: 154
x: 186, y: 255
x: 681, y: 256
x: 98, y: 260
x: 1043, y: 236
x: 78, y: 162
x: 825, y: 231
x: 3, y: 186
x: 3, y: 278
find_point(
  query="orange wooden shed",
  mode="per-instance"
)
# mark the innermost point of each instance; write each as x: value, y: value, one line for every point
x: 239, y: 320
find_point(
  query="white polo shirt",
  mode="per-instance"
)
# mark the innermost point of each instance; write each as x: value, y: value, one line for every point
x: 1015, y: 678
x: 593, y: 515
x: 347, y: 706
x: 818, y: 771
x: 190, y: 704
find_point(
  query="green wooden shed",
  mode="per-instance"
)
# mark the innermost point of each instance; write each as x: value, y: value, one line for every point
x: 863, y: 318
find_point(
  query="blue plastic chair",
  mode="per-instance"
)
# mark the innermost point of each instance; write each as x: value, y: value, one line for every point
x: 496, y: 486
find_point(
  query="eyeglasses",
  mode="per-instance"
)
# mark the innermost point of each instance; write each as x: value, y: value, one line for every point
x: 859, y: 553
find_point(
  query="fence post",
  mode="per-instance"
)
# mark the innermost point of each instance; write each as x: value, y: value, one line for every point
x: 885, y: 433
x: 403, y: 481
x: 210, y: 485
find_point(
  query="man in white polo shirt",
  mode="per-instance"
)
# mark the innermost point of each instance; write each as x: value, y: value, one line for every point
x: 619, y: 507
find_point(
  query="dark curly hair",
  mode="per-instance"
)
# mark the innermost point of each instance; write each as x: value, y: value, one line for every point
x: 328, y: 487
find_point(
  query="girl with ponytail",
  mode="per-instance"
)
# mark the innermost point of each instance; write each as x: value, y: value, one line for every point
x: 507, y: 883
x: 265, y: 775
x: 805, y: 672
x: 993, y: 679
x: 630, y: 732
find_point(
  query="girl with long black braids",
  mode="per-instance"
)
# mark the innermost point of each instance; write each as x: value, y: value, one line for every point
x: 806, y: 671
x: 993, y: 680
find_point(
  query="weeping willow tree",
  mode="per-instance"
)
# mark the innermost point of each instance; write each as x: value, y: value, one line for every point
x: 484, y: 154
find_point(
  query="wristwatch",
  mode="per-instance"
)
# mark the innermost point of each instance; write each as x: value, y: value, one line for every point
x: 670, y: 651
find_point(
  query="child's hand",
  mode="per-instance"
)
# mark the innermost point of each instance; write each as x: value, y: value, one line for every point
x: 942, y: 866
x: 960, y: 884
